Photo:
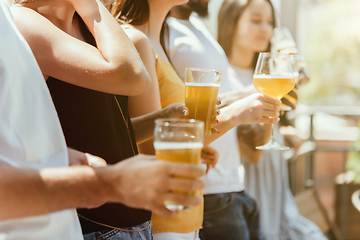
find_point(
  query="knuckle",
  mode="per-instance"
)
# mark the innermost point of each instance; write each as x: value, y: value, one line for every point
x: 153, y: 196
x: 161, y: 183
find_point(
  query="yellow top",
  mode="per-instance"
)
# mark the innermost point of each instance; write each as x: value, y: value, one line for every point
x: 172, y: 90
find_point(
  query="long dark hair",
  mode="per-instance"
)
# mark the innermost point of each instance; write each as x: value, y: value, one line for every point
x: 134, y: 12
x: 229, y: 15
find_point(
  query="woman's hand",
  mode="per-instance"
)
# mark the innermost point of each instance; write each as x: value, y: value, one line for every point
x: 256, y: 108
x: 210, y: 157
x: 175, y: 110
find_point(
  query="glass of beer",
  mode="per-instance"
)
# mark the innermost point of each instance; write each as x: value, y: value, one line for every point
x: 201, y: 94
x: 274, y: 77
x: 297, y: 63
x: 181, y: 141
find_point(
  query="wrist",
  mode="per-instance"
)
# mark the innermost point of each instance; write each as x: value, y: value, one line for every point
x: 106, y: 177
x: 228, y: 116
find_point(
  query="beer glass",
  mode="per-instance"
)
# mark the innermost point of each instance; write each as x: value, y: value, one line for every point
x: 295, y: 61
x: 283, y: 41
x: 273, y: 76
x: 179, y: 140
x: 201, y: 94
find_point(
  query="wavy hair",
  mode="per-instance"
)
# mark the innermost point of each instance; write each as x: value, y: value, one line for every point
x: 229, y: 15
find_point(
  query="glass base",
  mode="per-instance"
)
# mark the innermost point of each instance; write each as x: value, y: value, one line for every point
x: 287, y: 109
x: 272, y: 145
x: 174, y: 207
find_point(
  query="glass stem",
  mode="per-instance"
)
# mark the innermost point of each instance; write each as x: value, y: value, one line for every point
x: 272, y: 139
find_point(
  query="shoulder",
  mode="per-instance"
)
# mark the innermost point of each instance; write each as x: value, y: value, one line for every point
x: 141, y: 43
x: 32, y: 25
x: 26, y: 17
x: 137, y: 37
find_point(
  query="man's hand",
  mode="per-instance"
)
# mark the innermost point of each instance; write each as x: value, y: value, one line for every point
x: 143, y: 182
x: 80, y: 158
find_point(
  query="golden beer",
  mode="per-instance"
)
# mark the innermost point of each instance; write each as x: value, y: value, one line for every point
x: 275, y: 86
x: 201, y: 101
x: 181, y: 152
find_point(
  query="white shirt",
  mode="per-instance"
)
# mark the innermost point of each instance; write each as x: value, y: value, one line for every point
x: 192, y: 45
x: 30, y: 132
x: 268, y: 183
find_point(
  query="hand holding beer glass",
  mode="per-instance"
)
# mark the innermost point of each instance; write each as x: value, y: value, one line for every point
x: 273, y: 76
x: 201, y: 95
x: 179, y: 140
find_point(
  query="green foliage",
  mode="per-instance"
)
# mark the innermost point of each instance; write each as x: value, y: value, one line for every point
x: 333, y: 54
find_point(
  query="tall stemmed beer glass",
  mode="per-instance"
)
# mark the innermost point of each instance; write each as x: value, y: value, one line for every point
x: 273, y: 76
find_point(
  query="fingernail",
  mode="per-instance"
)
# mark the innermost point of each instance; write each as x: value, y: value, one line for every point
x: 218, y: 131
x: 218, y: 111
x: 219, y: 101
x: 217, y: 121
x: 184, y: 112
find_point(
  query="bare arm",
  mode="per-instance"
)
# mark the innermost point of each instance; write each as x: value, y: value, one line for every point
x: 250, y: 136
x: 145, y: 108
x: 255, y: 108
x: 139, y: 182
x: 113, y: 66
x: 232, y: 96
x: 149, y: 100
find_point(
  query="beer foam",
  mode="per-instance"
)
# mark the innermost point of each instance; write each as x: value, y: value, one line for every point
x: 193, y: 84
x: 177, y: 145
x: 273, y: 77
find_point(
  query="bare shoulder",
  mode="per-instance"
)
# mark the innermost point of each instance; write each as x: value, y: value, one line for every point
x: 32, y: 25
x: 137, y: 37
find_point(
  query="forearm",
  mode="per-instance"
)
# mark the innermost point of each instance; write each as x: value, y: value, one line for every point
x: 28, y: 192
x: 226, y: 122
x: 114, y: 45
x: 144, y: 125
x: 229, y: 97
x: 248, y: 140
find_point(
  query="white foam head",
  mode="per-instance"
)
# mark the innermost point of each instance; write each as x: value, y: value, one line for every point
x: 193, y: 84
x: 177, y: 145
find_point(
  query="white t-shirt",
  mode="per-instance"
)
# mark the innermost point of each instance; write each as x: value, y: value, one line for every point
x: 30, y: 132
x: 192, y: 45
x: 268, y: 183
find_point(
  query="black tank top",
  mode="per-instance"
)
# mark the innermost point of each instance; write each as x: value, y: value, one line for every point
x: 99, y: 124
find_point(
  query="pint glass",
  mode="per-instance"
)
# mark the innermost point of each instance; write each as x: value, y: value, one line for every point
x: 201, y: 94
x: 178, y: 140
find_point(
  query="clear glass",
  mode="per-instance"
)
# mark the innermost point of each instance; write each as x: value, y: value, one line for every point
x: 179, y: 140
x: 295, y: 65
x: 283, y: 41
x: 201, y: 94
x: 274, y: 77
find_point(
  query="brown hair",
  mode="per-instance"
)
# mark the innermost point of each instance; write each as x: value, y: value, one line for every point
x: 135, y: 12
x: 229, y: 15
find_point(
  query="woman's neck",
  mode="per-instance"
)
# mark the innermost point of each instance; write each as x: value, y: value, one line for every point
x: 241, y: 57
x: 152, y: 28
x: 59, y: 12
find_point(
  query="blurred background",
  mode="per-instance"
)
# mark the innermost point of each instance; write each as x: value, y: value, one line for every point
x: 325, y: 173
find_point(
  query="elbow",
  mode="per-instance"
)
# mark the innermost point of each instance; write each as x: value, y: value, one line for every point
x: 140, y: 81
x: 130, y: 80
